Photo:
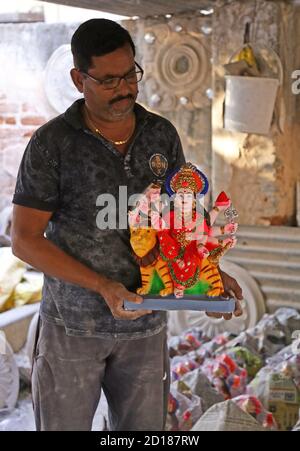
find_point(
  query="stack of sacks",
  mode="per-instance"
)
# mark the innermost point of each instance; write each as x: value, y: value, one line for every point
x: 194, y: 339
x: 207, y: 372
x: 270, y: 335
x: 223, y: 371
x: 277, y: 385
x: 191, y: 392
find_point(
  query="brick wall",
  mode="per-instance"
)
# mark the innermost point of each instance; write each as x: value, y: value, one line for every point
x: 24, y: 52
x: 17, y: 123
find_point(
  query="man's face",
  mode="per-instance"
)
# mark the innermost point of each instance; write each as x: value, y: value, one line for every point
x: 109, y: 104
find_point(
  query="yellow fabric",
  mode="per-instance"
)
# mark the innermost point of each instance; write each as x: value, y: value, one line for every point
x: 247, y: 54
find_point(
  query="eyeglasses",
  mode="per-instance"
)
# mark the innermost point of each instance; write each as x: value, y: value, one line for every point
x: 134, y: 76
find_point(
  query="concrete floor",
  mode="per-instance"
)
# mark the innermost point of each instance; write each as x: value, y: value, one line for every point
x: 22, y: 419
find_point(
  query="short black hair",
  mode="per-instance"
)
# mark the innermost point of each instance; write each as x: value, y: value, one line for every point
x: 97, y: 37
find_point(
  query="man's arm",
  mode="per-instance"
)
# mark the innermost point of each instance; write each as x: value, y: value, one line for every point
x: 31, y: 246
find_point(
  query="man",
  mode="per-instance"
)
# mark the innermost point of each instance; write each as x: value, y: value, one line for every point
x: 86, y: 339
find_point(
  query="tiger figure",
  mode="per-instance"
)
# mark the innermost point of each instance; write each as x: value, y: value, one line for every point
x: 145, y: 246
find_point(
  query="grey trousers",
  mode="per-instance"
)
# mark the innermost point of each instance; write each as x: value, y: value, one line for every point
x: 69, y: 372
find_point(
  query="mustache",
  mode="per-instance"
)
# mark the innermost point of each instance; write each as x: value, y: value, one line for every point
x: 117, y: 99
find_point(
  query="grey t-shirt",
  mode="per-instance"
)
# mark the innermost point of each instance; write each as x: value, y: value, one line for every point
x: 64, y: 169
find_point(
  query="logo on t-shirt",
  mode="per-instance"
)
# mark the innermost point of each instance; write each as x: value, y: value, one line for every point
x: 158, y: 164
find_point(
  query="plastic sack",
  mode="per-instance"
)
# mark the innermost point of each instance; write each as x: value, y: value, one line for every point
x: 189, y: 341
x: 12, y: 270
x: 297, y: 426
x: 276, y: 389
x: 200, y: 386
x: 252, y: 406
x: 29, y: 290
x: 270, y: 335
x: 184, y: 408
x: 288, y: 362
x: 246, y: 359
x: 217, y: 342
x: 181, y: 365
x: 226, y: 376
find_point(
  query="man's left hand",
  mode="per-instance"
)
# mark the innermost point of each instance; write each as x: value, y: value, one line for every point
x: 231, y: 289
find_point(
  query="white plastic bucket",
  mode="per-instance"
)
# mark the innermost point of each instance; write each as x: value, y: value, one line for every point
x: 249, y: 103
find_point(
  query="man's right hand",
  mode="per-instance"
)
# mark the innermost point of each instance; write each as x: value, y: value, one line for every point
x: 114, y: 294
